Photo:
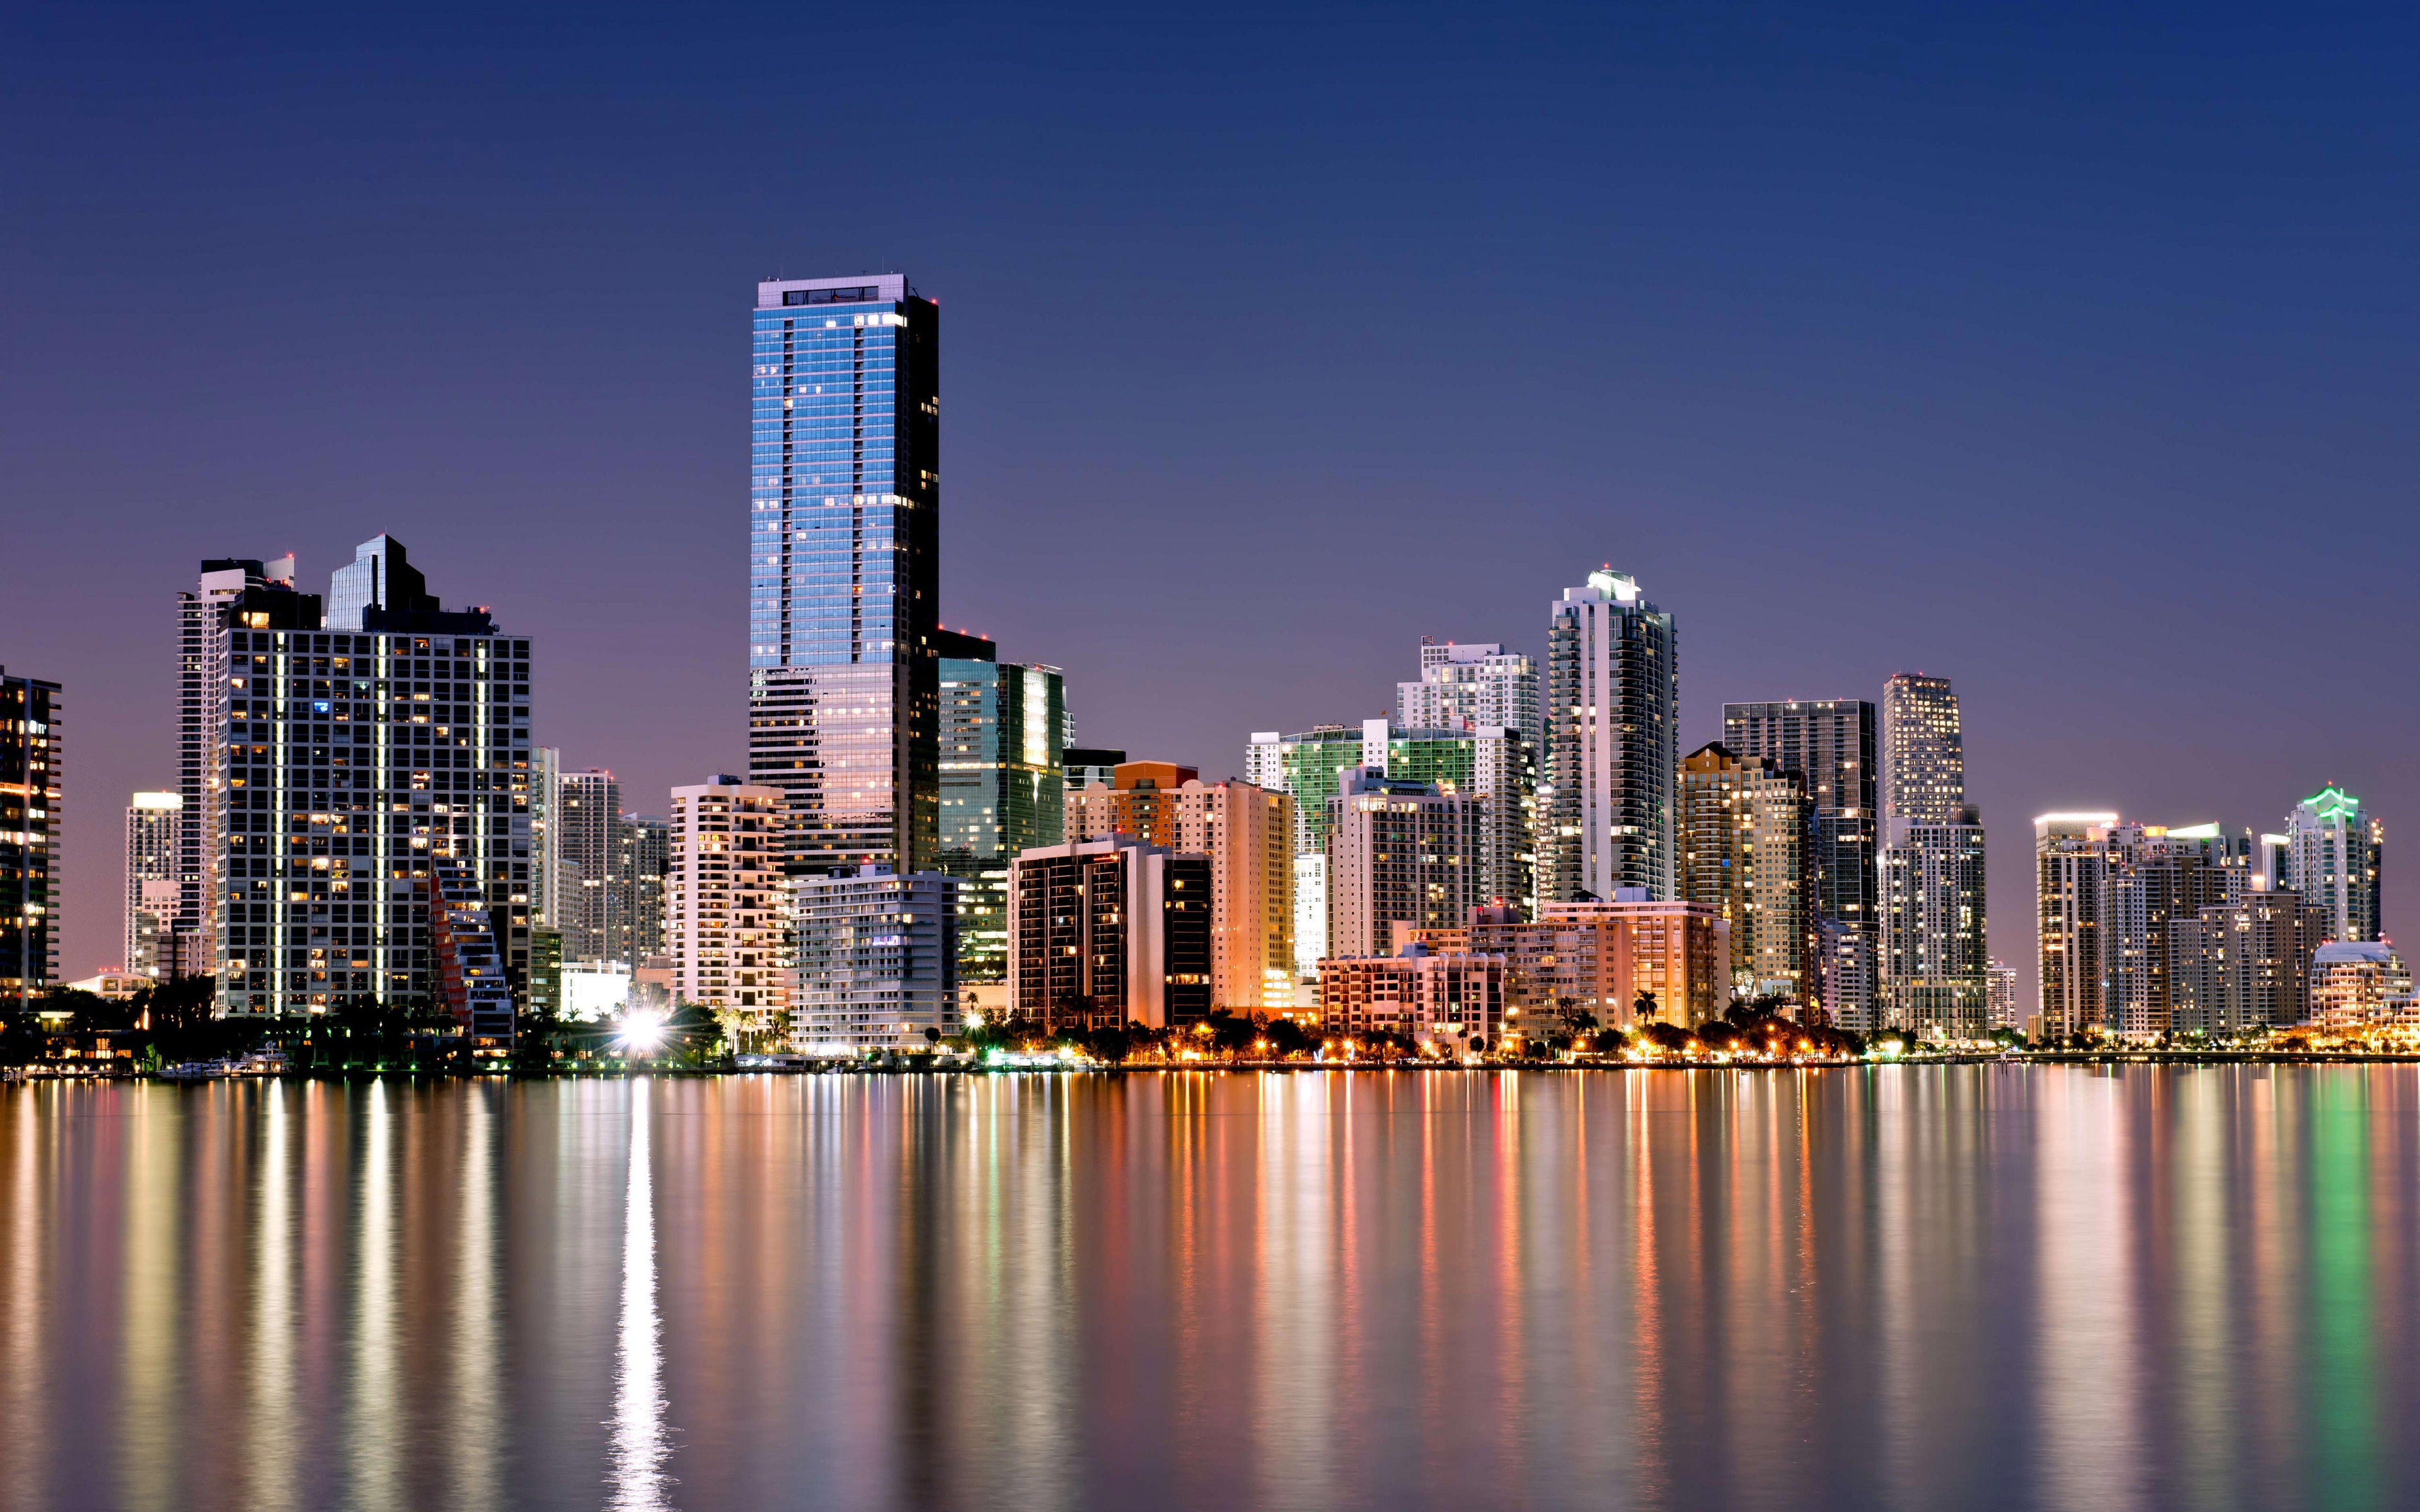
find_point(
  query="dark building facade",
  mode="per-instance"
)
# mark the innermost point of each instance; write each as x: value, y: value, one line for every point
x: 1102, y: 933
x: 32, y: 772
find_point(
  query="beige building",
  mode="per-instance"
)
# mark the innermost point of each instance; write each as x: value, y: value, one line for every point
x: 726, y: 905
x: 1597, y: 958
x: 1247, y: 832
x: 1454, y: 999
x: 1747, y: 852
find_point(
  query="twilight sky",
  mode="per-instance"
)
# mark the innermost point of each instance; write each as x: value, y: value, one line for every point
x: 2065, y: 355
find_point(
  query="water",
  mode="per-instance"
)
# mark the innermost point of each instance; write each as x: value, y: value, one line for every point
x: 1909, y: 1287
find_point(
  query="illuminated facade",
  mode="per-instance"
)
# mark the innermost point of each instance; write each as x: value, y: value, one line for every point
x: 2332, y: 856
x: 1248, y: 834
x: 1104, y: 933
x: 203, y: 663
x: 1471, y: 687
x: 877, y: 961
x: 32, y: 770
x: 1308, y: 767
x: 2358, y: 986
x: 727, y: 904
x: 1923, y: 751
x: 351, y: 762
x: 844, y: 490
x: 580, y: 900
x: 1609, y: 758
x: 2242, y: 965
x: 1399, y: 852
x: 2108, y: 894
x: 1454, y: 1001
x: 1003, y: 784
x: 1747, y: 852
x: 1936, y: 962
x: 153, y: 822
x: 1831, y: 744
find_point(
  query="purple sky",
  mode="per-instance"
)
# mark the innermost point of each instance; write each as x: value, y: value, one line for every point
x: 2068, y: 358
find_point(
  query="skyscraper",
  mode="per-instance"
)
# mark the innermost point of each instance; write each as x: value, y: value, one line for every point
x: 353, y: 762
x: 1923, y: 751
x: 32, y: 772
x: 845, y: 488
x: 1003, y: 785
x: 1831, y: 743
x: 642, y: 859
x: 728, y: 908
x: 152, y: 821
x: 1467, y: 685
x: 1610, y: 752
x: 580, y: 863
x: 2332, y: 856
x: 202, y: 672
x: 1310, y: 768
x: 2108, y: 894
x: 1106, y: 932
x: 1747, y: 852
x: 1399, y: 852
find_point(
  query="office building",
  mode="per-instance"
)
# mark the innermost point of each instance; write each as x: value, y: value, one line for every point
x: 1107, y: 932
x: 33, y: 770
x: 349, y: 763
x: 152, y: 821
x: 1088, y: 765
x: 1452, y: 1001
x: 1832, y: 745
x: 1398, y: 852
x: 877, y: 961
x: 581, y: 853
x: 1248, y: 834
x: 1308, y: 768
x: 2333, y: 853
x: 2242, y: 965
x: 1004, y: 781
x: 1747, y: 852
x: 844, y: 492
x: 728, y: 902
x: 1471, y: 687
x: 1936, y: 963
x: 1923, y: 751
x: 1609, y: 759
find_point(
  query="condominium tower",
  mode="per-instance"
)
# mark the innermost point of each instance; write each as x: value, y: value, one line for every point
x: 1831, y: 743
x: 2332, y: 855
x: 1400, y: 851
x: 32, y: 768
x: 1934, y: 957
x: 1747, y: 854
x: 152, y: 821
x: 1609, y: 756
x: 1467, y: 685
x: 1923, y: 751
x: 845, y: 488
x: 727, y: 905
x: 581, y: 856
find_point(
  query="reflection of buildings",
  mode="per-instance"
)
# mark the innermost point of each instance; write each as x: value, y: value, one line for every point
x: 1108, y: 930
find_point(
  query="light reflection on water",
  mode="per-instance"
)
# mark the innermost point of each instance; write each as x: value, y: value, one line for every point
x: 1910, y: 1286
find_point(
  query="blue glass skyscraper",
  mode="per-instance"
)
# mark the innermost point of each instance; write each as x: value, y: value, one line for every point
x: 844, y: 487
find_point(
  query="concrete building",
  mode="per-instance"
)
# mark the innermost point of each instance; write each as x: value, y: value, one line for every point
x: 33, y: 770
x: 844, y: 553
x: 2334, y: 854
x: 1923, y: 751
x: 1470, y: 685
x: 1675, y: 950
x: 1609, y: 758
x: 1747, y: 852
x: 1832, y: 743
x: 2242, y: 965
x: 1106, y: 932
x: 2107, y: 893
x: 203, y: 707
x: 2358, y: 986
x: 1451, y: 1001
x: 469, y: 979
x: 1308, y: 767
x: 2001, y: 979
x: 1937, y: 963
x: 727, y: 901
x: 877, y: 961
x: 643, y: 855
x: 1088, y: 765
x: 1246, y: 833
x: 582, y: 852
x: 150, y: 936
x: 1495, y: 765
x: 1398, y: 852
x: 354, y: 752
x: 1003, y: 785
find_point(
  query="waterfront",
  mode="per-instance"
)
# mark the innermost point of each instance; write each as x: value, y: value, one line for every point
x: 1906, y: 1286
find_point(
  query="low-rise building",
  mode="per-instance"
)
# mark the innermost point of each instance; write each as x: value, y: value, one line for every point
x: 1455, y: 999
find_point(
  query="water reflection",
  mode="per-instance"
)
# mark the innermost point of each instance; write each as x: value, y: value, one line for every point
x: 1904, y: 1288
x: 641, y: 1444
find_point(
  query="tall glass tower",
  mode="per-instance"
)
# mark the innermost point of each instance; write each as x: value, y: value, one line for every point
x: 843, y: 535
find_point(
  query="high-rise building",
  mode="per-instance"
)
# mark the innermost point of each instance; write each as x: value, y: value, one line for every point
x: 546, y: 782
x: 1498, y: 765
x: 1469, y: 687
x: 202, y: 706
x: 1003, y: 785
x: 727, y: 903
x: 1923, y: 751
x: 1747, y: 852
x: 1936, y: 964
x: 349, y: 763
x: 2242, y: 964
x: 2001, y: 987
x: 581, y: 865
x: 2332, y: 856
x: 642, y: 859
x: 844, y: 550
x: 1610, y: 755
x: 1676, y: 952
x: 1831, y: 744
x: 877, y: 961
x: 152, y: 821
x: 33, y: 769
x: 1308, y: 767
x: 1399, y: 852
x: 1106, y: 932
x: 2108, y: 892
x: 1248, y: 834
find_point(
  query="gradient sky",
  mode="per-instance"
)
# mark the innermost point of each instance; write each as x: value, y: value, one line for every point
x: 2068, y: 355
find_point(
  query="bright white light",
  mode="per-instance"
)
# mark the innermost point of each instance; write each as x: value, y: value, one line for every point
x: 641, y: 1031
